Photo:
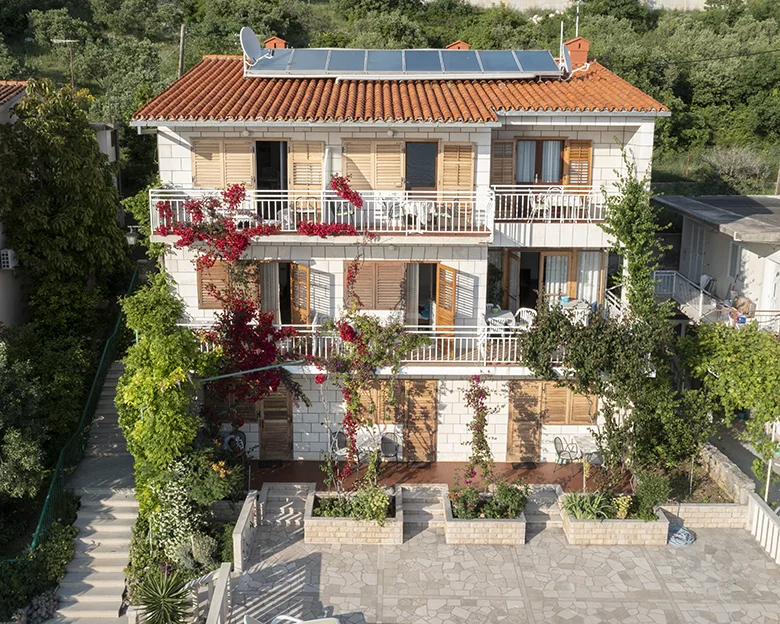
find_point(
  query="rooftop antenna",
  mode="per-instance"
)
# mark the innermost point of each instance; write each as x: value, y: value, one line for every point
x: 560, y: 47
x: 577, y: 4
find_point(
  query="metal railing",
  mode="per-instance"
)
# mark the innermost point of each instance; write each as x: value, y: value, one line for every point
x: 549, y: 203
x: 73, y: 451
x: 387, y: 212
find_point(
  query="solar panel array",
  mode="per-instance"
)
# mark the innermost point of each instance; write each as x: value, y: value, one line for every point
x: 310, y: 62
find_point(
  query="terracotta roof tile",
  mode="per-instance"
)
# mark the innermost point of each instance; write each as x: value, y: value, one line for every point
x: 9, y: 89
x: 216, y: 90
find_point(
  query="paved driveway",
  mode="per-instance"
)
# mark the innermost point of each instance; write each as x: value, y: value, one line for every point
x: 723, y: 577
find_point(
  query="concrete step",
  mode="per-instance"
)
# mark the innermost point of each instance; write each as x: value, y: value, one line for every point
x: 421, y: 495
x: 94, y: 612
x: 119, y: 503
x: 104, y: 522
x: 275, y: 507
x: 277, y: 496
x: 106, y: 451
x: 423, y: 507
x: 89, y: 594
x: 81, y: 578
x: 58, y: 619
x: 113, y: 563
x: 287, y: 518
x: 92, y: 543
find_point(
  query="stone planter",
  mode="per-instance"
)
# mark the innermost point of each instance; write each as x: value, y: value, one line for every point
x: 708, y: 515
x: 510, y: 532
x: 616, y: 532
x: 319, y: 530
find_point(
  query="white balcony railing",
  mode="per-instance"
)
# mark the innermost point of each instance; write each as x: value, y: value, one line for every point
x: 549, y: 203
x: 388, y: 212
x: 478, y: 345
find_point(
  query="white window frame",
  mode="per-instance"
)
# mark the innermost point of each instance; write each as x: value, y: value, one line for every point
x: 735, y: 260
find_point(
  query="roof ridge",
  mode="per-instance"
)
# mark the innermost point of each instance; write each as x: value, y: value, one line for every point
x: 14, y: 82
x: 222, y: 57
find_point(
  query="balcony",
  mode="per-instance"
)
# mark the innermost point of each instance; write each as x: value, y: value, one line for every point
x: 704, y: 307
x: 549, y: 204
x: 402, y: 213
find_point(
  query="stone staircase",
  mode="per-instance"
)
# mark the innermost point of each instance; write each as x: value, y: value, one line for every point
x: 423, y: 506
x: 542, y: 510
x: 285, y: 504
x: 94, y: 581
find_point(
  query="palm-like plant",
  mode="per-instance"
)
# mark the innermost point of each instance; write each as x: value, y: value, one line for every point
x: 163, y: 598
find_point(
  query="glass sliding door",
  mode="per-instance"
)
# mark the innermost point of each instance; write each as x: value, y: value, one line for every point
x: 589, y: 276
x: 555, y: 277
x: 526, y: 162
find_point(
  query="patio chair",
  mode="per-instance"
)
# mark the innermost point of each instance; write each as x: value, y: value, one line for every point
x: 563, y: 453
x: 389, y: 446
x: 338, y: 447
x: 525, y: 317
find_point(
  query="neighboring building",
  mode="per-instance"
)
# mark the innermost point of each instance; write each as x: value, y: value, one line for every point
x: 729, y: 259
x: 11, y: 301
x: 463, y: 159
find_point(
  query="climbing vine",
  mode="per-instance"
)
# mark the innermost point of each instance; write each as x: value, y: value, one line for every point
x: 481, y: 457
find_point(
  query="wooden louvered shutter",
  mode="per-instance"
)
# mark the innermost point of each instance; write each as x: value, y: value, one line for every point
x: 457, y: 167
x: 209, y: 280
x: 390, y: 285
x: 239, y: 162
x: 388, y: 165
x: 365, y: 284
x: 555, y: 402
x: 581, y: 410
x: 375, y: 400
x: 502, y: 162
x: 524, y: 428
x: 420, y: 403
x: 208, y: 164
x: 246, y: 411
x: 578, y: 157
x: 446, y: 289
x: 305, y: 165
x: 358, y: 164
x: 299, y: 294
x: 275, y: 413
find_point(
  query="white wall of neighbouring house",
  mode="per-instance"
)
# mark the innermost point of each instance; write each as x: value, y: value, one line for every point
x: 11, y: 300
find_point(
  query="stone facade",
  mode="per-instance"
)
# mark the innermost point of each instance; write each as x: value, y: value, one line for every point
x: 707, y: 515
x: 727, y: 474
x: 616, y: 532
x: 317, y: 530
x: 482, y: 531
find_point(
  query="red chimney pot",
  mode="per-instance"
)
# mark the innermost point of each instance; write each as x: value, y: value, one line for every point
x: 578, y: 50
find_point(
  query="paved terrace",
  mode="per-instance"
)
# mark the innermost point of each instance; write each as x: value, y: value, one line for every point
x: 723, y: 577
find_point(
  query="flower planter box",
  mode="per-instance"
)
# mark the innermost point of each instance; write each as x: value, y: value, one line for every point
x: 510, y: 532
x: 616, y: 532
x: 708, y: 515
x: 320, y: 530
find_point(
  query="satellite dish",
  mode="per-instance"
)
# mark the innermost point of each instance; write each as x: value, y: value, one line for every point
x: 566, y: 59
x: 251, y: 46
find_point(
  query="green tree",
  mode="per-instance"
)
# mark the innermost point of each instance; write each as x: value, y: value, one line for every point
x: 9, y: 66
x: 139, y: 18
x: 388, y: 30
x: 57, y: 24
x: 356, y: 9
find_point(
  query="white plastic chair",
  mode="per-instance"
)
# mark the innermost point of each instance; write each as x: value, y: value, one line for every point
x: 525, y: 317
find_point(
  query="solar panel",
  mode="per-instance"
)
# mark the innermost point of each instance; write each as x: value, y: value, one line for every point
x: 423, y: 61
x: 385, y: 61
x: 460, y: 61
x: 401, y: 64
x: 308, y: 59
x: 347, y: 60
x: 536, y: 61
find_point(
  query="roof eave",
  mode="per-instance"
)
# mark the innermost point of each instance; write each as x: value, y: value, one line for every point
x: 145, y: 123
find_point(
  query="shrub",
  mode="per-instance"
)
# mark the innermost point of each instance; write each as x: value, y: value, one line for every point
x: 622, y: 505
x: 465, y: 502
x: 371, y: 503
x: 652, y: 489
x: 163, y: 598
x: 144, y: 557
x: 508, y: 501
x: 226, y: 543
x: 204, y: 550
x: 588, y: 506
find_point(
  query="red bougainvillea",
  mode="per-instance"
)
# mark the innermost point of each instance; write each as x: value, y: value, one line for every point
x: 323, y: 230
x: 219, y: 223
x: 340, y: 184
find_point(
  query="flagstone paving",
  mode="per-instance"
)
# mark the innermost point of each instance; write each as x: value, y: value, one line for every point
x: 723, y: 577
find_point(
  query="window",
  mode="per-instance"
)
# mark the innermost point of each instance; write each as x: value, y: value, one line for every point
x: 735, y: 260
x: 539, y: 161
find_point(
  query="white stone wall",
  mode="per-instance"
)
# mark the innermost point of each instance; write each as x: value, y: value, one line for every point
x: 327, y: 273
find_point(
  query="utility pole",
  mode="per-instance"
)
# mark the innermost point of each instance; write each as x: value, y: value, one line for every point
x: 181, y: 51
x: 70, y: 43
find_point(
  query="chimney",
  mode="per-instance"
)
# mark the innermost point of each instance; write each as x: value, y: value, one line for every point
x: 458, y: 45
x: 275, y: 42
x: 578, y: 50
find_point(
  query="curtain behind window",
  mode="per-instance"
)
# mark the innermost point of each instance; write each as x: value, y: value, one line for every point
x: 526, y: 161
x: 551, y: 161
x: 589, y: 276
x: 556, y: 277
x: 269, y: 289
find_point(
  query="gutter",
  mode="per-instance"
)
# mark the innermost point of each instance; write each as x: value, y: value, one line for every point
x: 385, y: 125
x: 562, y: 113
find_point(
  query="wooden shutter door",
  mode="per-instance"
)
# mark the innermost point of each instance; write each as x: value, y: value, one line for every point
x: 207, y: 164
x: 524, y: 434
x: 390, y: 285
x: 502, y: 162
x: 209, y: 280
x: 388, y: 165
x: 365, y: 284
x: 582, y: 409
x: 446, y: 288
x: 555, y: 404
x: 457, y: 167
x: 305, y: 165
x: 299, y: 294
x: 577, y: 162
x: 239, y: 162
x: 420, y: 420
x: 276, y: 426
x: 358, y: 164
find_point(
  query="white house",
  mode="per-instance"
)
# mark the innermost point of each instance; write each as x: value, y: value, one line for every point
x: 463, y: 158
x: 729, y: 259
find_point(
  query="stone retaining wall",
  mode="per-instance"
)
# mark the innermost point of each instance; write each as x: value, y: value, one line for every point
x: 318, y: 530
x: 707, y: 515
x: 727, y: 474
x: 616, y: 532
x: 483, y: 530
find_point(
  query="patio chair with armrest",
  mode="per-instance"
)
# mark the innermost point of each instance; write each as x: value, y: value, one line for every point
x: 564, y: 453
x: 525, y: 317
x: 338, y: 447
x: 389, y: 446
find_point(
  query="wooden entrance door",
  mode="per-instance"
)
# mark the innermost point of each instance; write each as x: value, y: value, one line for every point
x: 419, y: 419
x: 446, y: 287
x: 524, y: 435
x: 275, y: 416
x: 299, y: 294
